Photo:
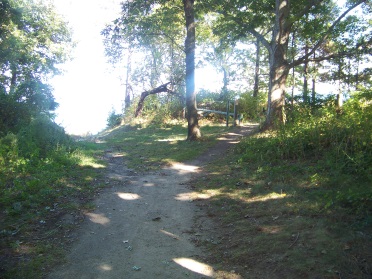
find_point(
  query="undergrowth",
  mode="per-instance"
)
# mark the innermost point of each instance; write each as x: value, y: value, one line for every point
x: 296, y: 202
x: 336, y: 144
x: 43, y: 175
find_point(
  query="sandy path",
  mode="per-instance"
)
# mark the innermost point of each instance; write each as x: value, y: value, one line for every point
x: 144, y: 225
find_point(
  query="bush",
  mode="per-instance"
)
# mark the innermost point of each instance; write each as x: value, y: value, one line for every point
x: 252, y: 107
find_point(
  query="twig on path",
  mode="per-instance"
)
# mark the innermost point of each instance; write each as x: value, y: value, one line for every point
x: 293, y: 243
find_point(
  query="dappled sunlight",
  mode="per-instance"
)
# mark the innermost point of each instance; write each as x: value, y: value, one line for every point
x: 190, y: 196
x: 118, y: 155
x: 174, y: 236
x: 172, y: 140
x: 184, y: 168
x: 270, y: 196
x: 73, y: 186
x: 186, y: 196
x: 270, y: 229
x: 128, y: 196
x: 89, y: 162
x: 195, y: 266
x: 228, y: 137
x: 105, y: 267
x: 98, y: 218
x: 89, y: 179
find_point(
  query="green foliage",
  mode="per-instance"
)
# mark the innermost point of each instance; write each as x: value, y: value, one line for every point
x: 13, y: 114
x: 40, y: 167
x: 33, y: 41
x: 41, y: 138
x: 337, y: 144
x: 114, y: 119
x: 158, y: 109
x: 252, y: 107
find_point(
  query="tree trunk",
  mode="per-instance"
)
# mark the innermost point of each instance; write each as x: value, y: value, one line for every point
x: 339, y: 93
x: 313, y: 91
x: 224, y: 93
x: 257, y: 69
x: 279, y: 67
x: 305, y: 95
x: 128, y: 87
x: 13, y: 81
x: 192, y: 113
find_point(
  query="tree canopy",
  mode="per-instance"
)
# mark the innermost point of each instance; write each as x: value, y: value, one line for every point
x: 305, y: 37
x: 34, y: 39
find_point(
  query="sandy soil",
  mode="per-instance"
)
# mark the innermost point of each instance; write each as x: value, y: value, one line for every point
x: 147, y: 225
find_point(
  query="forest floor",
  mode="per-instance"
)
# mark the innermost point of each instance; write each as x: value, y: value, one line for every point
x: 149, y: 224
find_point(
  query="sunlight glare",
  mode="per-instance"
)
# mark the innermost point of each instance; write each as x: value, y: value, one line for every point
x: 98, y: 218
x: 190, y: 196
x: 170, y: 234
x: 195, y: 266
x: 271, y: 196
x: 128, y: 196
x: 185, y: 168
x: 105, y: 267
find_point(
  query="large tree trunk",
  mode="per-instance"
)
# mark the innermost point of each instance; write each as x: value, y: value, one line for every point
x: 279, y: 67
x: 192, y: 113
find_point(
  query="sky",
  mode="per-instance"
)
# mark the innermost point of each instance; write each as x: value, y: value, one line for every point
x: 89, y: 88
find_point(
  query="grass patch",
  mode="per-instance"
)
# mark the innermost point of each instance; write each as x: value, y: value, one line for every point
x: 296, y: 203
x: 153, y: 147
x: 34, y: 194
x: 274, y: 223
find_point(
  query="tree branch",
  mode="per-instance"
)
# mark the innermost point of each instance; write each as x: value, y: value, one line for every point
x: 261, y: 38
x: 160, y: 89
x: 325, y: 36
x: 306, y: 10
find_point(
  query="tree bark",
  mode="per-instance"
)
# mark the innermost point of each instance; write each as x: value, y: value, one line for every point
x: 257, y: 69
x: 279, y: 67
x: 128, y: 87
x: 305, y: 97
x: 193, y: 131
x: 224, y: 93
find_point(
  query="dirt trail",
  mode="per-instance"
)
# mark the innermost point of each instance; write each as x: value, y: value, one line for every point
x: 144, y: 226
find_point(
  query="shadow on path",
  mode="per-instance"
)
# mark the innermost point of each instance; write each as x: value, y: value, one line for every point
x: 143, y: 226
